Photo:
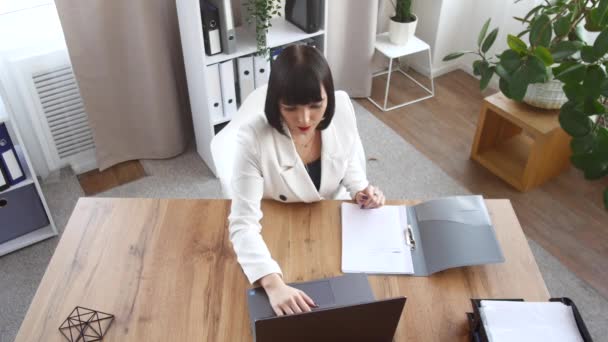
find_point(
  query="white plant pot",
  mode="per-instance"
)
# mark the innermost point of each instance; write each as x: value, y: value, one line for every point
x: 400, y: 33
x: 548, y: 95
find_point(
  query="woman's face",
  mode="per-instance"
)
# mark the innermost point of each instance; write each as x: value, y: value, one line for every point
x: 304, y: 119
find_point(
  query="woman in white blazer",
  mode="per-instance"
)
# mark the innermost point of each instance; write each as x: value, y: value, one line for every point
x: 303, y: 150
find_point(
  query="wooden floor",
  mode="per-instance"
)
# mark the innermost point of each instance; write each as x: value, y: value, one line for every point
x: 94, y: 182
x: 565, y: 216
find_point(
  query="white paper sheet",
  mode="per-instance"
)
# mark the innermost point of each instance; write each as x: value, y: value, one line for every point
x: 529, y: 321
x: 373, y: 241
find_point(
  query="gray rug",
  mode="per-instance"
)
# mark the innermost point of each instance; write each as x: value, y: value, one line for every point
x: 395, y: 166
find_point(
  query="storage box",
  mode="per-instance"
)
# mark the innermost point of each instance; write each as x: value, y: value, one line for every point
x: 21, y: 212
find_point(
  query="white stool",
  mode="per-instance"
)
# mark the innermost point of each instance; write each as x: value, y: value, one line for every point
x: 392, y: 51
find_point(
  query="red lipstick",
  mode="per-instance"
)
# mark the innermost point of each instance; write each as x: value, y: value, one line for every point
x: 304, y: 129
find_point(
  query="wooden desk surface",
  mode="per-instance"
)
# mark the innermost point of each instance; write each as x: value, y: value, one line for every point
x: 166, y: 269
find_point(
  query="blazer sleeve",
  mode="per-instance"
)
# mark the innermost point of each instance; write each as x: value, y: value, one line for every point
x: 245, y: 214
x: 355, y: 178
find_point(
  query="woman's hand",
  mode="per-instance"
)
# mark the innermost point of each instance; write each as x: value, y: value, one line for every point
x: 370, y: 197
x: 284, y: 299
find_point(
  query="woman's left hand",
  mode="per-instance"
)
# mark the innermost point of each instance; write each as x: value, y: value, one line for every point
x: 370, y: 197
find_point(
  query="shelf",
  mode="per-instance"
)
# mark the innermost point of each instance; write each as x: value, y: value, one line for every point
x: 508, y: 159
x: 27, y: 239
x: 29, y: 179
x: 282, y: 32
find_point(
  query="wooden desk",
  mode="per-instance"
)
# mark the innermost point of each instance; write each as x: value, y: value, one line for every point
x: 167, y: 271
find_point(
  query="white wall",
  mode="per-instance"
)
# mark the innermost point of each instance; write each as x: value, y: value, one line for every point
x: 26, y: 29
x: 453, y: 25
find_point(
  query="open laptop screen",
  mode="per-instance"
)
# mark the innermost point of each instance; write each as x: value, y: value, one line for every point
x: 373, y: 321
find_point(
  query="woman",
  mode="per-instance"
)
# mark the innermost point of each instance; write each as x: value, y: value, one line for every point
x: 304, y: 150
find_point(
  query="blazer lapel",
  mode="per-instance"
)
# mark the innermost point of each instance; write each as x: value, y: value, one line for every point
x: 331, y: 160
x: 293, y: 172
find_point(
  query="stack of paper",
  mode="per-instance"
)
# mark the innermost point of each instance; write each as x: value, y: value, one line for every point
x: 528, y: 321
x: 373, y: 240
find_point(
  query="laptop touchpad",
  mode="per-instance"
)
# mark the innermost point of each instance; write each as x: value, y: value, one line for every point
x: 319, y: 291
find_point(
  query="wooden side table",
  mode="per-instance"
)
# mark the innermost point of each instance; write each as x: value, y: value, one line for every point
x: 523, y: 145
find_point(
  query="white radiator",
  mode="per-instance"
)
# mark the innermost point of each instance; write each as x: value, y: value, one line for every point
x: 55, y: 110
x: 63, y: 111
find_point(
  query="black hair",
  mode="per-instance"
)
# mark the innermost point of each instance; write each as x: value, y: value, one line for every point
x: 295, y: 79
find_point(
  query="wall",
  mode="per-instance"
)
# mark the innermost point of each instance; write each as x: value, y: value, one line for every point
x: 26, y: 29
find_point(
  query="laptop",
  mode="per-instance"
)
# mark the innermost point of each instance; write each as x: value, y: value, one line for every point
x: 347, y: 311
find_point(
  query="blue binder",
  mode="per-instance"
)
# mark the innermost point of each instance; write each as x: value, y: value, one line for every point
x: 8, y: 158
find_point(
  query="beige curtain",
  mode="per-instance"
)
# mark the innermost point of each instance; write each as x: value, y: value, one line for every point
x: 127, y: 58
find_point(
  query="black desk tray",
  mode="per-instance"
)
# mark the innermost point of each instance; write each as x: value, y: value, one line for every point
x: 478, y: 332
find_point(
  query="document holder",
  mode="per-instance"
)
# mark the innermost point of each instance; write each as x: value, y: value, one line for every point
x: 450, y: 227
x: 479, y: 334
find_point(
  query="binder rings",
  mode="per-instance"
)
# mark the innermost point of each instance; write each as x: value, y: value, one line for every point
x: 262, y: 70
x: 227, y: 32
x: 8, y: 158
x: 214, y: 93
x: 228, y: 89
x: 246, y: 79
x: 420, y: 240
x: 211, y: 29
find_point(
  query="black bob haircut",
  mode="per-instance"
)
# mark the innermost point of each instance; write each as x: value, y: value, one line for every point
x: 295, y: 79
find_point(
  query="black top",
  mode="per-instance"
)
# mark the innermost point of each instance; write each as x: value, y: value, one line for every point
x: 314, y: 171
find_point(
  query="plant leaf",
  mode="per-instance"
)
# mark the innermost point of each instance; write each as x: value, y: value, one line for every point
x: 510, y: 60
x: 517, y: 44
x: 572, y: 74
x: 487, y: 43
x: 592, y: 107
x: 522, y: 33
x: 544, y: 55
x: 540, y: 31
x: 561, y: 26
x: 502, y: 73
x: 564, y: 49
x: 573, y: 121
x: 574, y: 92
x: 537, y: 72
x: 477, y: 68
x: 600, y: 46
x: 588, y: 54
x: 504, y: 86
x: 486, y: 74
x: 581, y: 145
x: 518, y: 84
x: 594, y: 165
x: 452, y: 56
x: 482, y: 33
x: 533, y: 11
x: 594, y: 78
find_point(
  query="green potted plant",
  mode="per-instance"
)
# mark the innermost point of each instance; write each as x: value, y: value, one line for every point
x: 551, y: 47
x: 259, y: 12
x: 402, y: 25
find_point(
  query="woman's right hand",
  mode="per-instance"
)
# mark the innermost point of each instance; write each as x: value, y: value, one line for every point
x: 284, y: 299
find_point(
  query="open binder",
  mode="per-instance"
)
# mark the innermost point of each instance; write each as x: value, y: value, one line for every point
x: 419, y: 240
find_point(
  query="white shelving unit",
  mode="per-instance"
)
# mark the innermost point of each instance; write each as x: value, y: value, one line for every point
x: 281, y: 33
x: 42, y: 233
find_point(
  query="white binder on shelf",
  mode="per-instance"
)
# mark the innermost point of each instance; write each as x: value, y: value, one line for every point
x: 262, y: 70
x: 246, y: 78
x: 228, y: 88
x: 214, y: 93
x: 227, y: 31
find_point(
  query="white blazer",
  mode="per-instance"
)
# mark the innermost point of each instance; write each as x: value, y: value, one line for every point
x: 268, y: 166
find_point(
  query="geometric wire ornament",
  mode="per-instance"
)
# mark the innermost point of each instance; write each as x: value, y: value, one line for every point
x: 86, y: 325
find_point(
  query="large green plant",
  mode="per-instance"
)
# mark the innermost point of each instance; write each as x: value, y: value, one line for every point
x: 403, y: 11
x: 260, y: 12
x: 555, y: 48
